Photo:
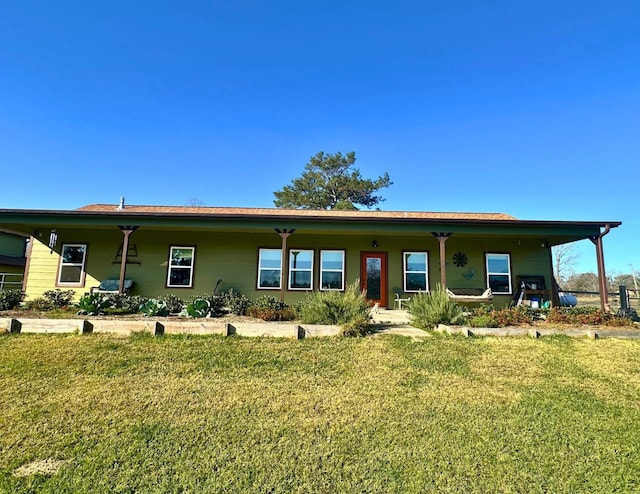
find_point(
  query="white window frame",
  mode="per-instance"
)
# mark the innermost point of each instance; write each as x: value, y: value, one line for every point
x: 293, y: 270
x: 405, y: 271
x: 190, y: 267
x: 260, y: 269
x: 341, y: 270
x: 507, y: 274
x: 81, y: 265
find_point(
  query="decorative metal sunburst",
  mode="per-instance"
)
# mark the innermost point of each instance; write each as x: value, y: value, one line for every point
x: 460, y: 259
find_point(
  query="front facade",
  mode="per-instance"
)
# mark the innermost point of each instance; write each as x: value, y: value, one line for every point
x: 287, y: 253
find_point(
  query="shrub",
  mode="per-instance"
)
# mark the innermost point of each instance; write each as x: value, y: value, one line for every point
x: 269, y: 308
x: 154, y: 307
x: 38, y: 303
x: 236, y: 303
x: 198, y: 307
x: 174, y: 304
x: 59, y: 298
x: 586, y: 316
x: 93, y: 304
x: 10, y: 299
x: 428, y: 309
x: 349, y: 309
x: 216, y: 302
x: 126, y: 304
x: 482, y: 321
x: 577, y: 315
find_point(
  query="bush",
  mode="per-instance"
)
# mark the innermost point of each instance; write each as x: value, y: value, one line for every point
x: 269, y: 308
x: 216, y: 303
x: 198, y: 307
x: 585, y: 316
x: 39, y: 304
x: 59, y: 298
x: 126, y: 304
x: 236, y: 303
x: 154, y: 308
x: 10, y: 299
x: 174, y: 304
x: 349, y: 309
x: 93, y: 304
x: 428, y: 309
x: 486, y: 316
x: 482, y: 321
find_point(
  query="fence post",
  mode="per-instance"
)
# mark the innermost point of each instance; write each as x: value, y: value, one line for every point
x: 624, y: 297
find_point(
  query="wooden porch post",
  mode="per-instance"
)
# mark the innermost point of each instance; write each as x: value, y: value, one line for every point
x: 284, y: 272
x: 442, y: 238
x: 127, y: 231
x: 602, y: 276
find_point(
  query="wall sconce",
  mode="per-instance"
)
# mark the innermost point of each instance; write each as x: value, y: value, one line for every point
x: 374, y: 243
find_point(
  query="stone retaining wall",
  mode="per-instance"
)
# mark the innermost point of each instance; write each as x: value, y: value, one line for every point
x: 126, y: 327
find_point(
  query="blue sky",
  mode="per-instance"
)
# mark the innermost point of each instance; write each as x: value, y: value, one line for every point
x: 528, y: 108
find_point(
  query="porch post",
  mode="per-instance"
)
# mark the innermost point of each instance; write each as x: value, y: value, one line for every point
x: 127, y: 231
x: 442, y: 238
x: 602, y: 276
x: 284, y: 235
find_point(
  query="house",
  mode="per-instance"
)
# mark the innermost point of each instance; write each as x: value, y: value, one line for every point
x: 287, y: 253
x: 12, y: 259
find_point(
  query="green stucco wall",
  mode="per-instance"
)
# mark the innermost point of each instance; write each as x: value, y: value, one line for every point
x: 233, y: 257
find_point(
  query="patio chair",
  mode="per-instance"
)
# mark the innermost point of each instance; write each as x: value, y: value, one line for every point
x: 397, y: 303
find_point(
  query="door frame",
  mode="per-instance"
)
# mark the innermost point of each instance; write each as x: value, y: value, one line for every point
x: 384, y: 289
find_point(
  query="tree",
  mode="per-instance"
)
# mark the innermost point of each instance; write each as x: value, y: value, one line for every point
x: 329, y: 181
x: 583, y: 282
x: 564, y: 261
x: 195, y: 202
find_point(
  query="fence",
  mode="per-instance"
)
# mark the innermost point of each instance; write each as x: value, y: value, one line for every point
x: 616, y: 299
x: 10, y: 280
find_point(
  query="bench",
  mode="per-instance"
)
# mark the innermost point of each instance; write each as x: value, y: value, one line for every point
x: 112, y: 286
x: 470, y: 295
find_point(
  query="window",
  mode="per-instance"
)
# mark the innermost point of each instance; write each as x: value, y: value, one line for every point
x: 300, y: 269
x: 181, y: 267
x: 499, y: 273
x: 332, y: 270
x: 72, y: 259
x: 416, y: 270
x: 269, y: 268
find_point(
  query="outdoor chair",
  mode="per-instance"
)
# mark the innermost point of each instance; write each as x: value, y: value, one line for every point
x: 397, y: 304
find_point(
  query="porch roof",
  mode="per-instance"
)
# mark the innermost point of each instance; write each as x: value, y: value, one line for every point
x: 195, y: 218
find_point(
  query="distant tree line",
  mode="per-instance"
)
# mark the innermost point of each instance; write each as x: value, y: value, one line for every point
x: 588, y: 282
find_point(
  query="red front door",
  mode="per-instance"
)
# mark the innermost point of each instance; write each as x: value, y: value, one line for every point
x: 373, y: 276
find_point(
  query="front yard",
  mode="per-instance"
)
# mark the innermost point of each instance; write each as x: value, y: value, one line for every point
x: 375, y: 414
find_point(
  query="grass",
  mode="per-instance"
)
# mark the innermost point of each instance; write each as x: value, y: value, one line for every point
x: 377, y: 414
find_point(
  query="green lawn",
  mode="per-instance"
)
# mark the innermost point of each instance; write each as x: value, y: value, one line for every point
x: 376, y: 414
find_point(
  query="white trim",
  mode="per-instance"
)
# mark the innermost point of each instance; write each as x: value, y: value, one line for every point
x: 405, y: 271
x: 172, y: 266
x: 293, y: 270
x: 507, y: 274
x: 260, y: 269
x: 341, y: 270
x: 72, y: 264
